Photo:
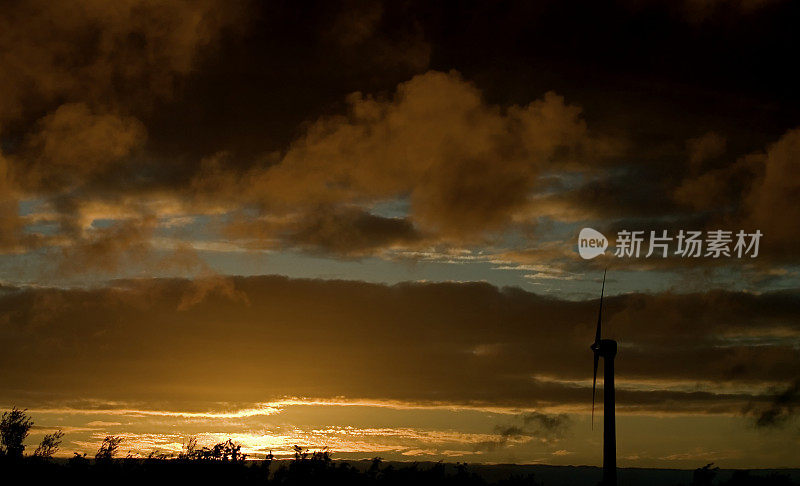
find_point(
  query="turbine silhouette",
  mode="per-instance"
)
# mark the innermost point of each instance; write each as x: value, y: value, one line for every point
x: 606, y: 349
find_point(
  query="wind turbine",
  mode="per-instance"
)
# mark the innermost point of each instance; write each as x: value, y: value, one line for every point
x: 606, y: 349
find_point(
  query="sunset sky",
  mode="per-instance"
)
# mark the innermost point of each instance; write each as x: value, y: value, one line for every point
x: 354, y: 225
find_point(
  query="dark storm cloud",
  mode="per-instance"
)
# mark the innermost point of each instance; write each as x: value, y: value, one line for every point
x: 252, y: 339
x: 297, y: 121
x: 77, y: 81
x: 538, y: 425
x: 97, y: 100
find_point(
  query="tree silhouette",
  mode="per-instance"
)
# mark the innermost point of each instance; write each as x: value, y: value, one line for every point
x: 49, y: 445
x: 190, y: 451
x: 228, y: 451
x: 374, y: 468
x: 14, y: 428
x: 108, y: 449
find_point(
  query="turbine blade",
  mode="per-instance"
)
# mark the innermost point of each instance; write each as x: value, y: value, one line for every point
x: 600, y: 312
x: 594, y: 384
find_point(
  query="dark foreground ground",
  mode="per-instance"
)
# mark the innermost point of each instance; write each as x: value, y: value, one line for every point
x: 360, y: 473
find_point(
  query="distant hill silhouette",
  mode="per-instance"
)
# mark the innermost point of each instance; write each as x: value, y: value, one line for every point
x: 224, y: 463
x: 320, y: 469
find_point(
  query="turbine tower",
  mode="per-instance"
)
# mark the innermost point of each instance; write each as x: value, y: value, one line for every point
x: 606, y: 349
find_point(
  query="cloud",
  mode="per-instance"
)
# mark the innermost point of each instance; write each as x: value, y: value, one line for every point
x: 101, y: 423
x: 180, y: 340
x: 783, y: 405
x: 201, y: 288
x: 360, y: 31
x: 541, y: 423
x: 176, y: 108
x: 116, y: 247
x: 344, y: 231
x: 108, y: 249
x: 706, y: 147
x: 778, y: 182
x: 11, y: 223
x: 531, y: 425
x: 749, y: 191
x: 79, y: 83
x: 74, y: 144
x: 467, y: 168
x: 119, y: 55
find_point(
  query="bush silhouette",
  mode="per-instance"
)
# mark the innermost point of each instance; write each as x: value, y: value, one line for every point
x: 49, y: 445
x: 224, y: 463
x: 704, y: 476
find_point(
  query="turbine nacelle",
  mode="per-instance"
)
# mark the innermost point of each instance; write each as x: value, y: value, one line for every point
x: 605, y: 348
